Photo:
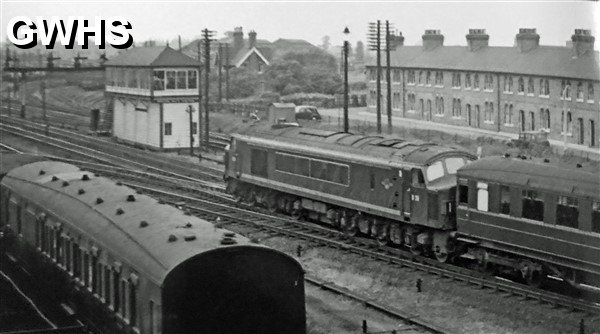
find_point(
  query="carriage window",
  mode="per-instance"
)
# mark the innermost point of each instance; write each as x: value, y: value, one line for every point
x: 116, y: 290
x: 327, y: 171
x: 533, y: 205
x: 68, y: 254
x: 107, y: 295
x: 567, y: 211
x: 132, y: 304
x: 482, y: 196
x: 453, y: 164
x: 372, y: 180
x: 94, y: 274
x: 463, y: 193
x: 596, y: 217
x: 435, y: 171
x: 19, y: 220
x: 155, y: 317
x: 76, y: 260
x: 125, y: 299
x: 57, y: 245
x: 292, y: 164
x: 85, y: 268
x: 505, y: 200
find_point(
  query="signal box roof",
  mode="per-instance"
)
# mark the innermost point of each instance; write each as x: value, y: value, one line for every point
x: 584, y: 181
x: 153, y: 56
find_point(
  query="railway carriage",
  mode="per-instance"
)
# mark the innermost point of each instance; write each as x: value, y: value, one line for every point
x: 394, y: 190
x: 534, y: 218
x: 129, y: 264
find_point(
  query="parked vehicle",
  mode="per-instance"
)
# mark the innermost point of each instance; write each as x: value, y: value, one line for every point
x: 307, y: 113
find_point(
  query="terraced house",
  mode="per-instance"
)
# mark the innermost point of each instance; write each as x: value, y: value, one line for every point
x: 506, y: 89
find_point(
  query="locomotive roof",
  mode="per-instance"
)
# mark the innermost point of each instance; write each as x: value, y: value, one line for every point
x: 147, y: 249
x: 388, y: 150
x: 12, y: 160
x: 553, y: 177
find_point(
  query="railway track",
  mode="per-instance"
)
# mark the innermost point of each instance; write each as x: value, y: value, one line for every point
x: 230, y: 214
x: 108, y: 152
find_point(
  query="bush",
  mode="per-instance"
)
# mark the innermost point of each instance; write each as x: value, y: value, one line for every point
x: 315, y: 99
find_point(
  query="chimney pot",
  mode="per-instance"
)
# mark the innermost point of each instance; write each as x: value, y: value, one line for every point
x: 252, y: 39
x: 238, y: 39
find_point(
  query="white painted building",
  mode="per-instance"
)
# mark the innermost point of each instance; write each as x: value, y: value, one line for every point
x: 150, y: 90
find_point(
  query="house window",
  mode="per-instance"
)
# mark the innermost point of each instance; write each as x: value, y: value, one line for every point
x: 168, y: 129
x: 456, y: 80
x: 395, y: 75
x: 508, y: 83
x: 521, y: 87
x: 533, y: 205
x: 456, y: 108
x: 396, y: 100
x: 171, y: 79
x: 194, y: 128
x: 192, y: 79
x: 468, y: 80
x: 489, y: 112
x: 411, y: 77
x: 439, y: 78
x: 476, y: 81
x: 482, y: 196
x: 411, y: 101
x: 158, y: 80
x: 565, y: 88
x: 428, y: 78
x: 530, y: 86
x: 420, y: 77
x: 439, y: 105
x: 580, y: 91
x: 489, y: 82
x: 567, y: 211
x: 504, y: 200
x: 590, y: 91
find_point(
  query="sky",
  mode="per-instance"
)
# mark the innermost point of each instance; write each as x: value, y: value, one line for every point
x: 162, y: 20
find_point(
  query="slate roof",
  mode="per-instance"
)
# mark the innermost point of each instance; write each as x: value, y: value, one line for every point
x: 553, y: 61
x: 153, y: 56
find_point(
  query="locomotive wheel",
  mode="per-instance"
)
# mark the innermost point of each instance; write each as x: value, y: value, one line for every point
x: 273, y: 203
x: 441, y: 256
x: 396, y: 235
x: 381, y: 233
x: 530, y: 274
x: 349, y: 225
x: 297, y: 214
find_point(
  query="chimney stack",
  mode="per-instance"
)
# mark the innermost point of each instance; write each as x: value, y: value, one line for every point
x: 583, y: 42
x: 238, y: 39
x: 252, y: 39
x: 477, y: 39
x: 432, y: 39
x: 527, y: 39
x: 397, y: 40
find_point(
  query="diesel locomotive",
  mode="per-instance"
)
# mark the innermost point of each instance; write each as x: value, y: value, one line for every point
x: 406, y: 193
x: 126, y: 263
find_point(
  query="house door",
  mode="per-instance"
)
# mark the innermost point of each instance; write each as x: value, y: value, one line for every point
x: 522, y: 120
x: 477, y: 116
x: 532, y: 121
x: 592, y: 133
x: 429, y: 110
x: 581, y: 131
x: 422, y: 106
x: 469, y: 114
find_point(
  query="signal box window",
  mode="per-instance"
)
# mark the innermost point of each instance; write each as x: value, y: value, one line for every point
x: 596, y: 217
x: 168, y: 129
x: 482, y: 196
x: 567, y: 211
x: 533, y: 205
x: 504, y: 200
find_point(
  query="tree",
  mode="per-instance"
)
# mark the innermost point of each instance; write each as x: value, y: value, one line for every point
x: 359, y: 53
x: 326, y: 43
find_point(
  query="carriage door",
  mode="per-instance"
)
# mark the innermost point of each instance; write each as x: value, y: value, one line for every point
x: 418, y: 197
x: 406, y: 193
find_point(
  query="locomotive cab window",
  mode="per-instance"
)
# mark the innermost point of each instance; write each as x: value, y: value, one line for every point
x: 434, y: 171
x: 596, y: 216
x: 482, y: 196
x: 533, y: 205
x: 567, y: 211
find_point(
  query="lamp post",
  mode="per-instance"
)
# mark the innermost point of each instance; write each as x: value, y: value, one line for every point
x: 346, y: 47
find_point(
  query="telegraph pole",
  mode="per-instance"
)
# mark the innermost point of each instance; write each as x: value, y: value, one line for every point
x: 227, y: 72
x: 43, y: 94
x: 346, y: 122
x: 208, y: 36
x: 220, y: 66
x: 375, y: 44
x: 388, y: 75
x: 198, y: 77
